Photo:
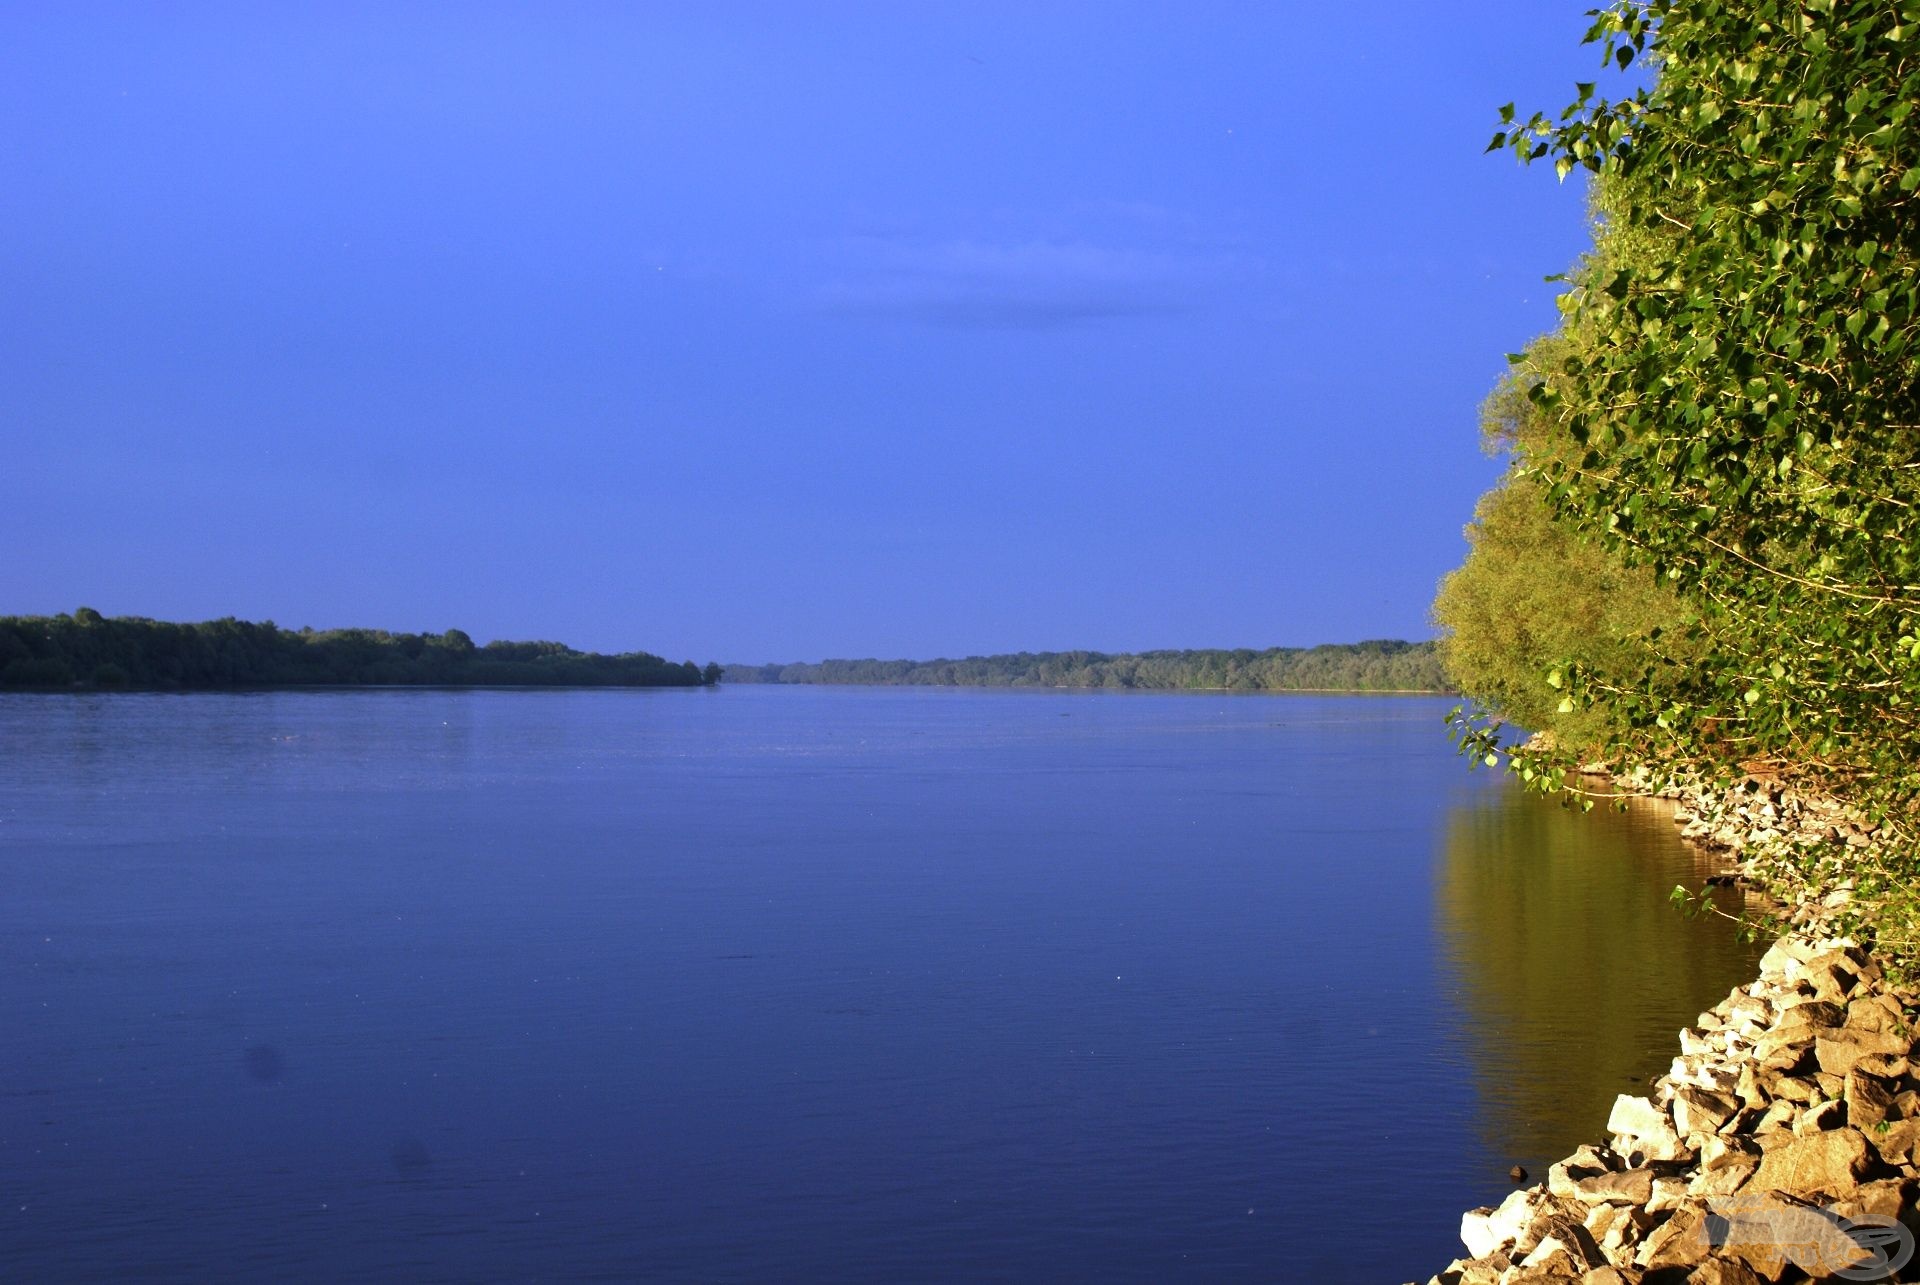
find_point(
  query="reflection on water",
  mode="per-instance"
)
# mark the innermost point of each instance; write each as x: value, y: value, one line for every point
x: 1574, y: 971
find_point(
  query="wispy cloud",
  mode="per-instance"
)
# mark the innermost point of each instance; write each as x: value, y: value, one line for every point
x: 1011, y: 283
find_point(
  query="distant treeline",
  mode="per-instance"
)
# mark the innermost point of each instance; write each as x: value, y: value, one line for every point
x: 1354, y: 667
x: 87, y: 649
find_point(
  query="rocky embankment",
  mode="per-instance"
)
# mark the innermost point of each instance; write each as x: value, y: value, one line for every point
x: 1781, y: 1146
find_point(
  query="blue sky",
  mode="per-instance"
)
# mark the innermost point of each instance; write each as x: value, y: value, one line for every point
x: 765, y: 331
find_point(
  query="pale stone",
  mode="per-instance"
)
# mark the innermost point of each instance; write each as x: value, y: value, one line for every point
x: 1868, y: 1097
x: 1563, y: 1175
x: 1483, y: 1231
x: 1819, y: 1013
x: 1678, y: 1242
x: 1778, y: 1116
x: 1816, y: 1162
x: 1625, y: 1187
x: 1723, y: 1271
x: 1637, y: 1117
x: 1477, y: 1232
x: 1827, y: 1115
x: 1568, y: 1239
x: 1886, y: 1198
x: 1668, y: 1193
x: 1875, y: 1013
x: 1794, y: 1088
x: 1839, y: 1050
x: 1698, y: 1111
x: 1723, y: 1179
x: 1896, y: 1141
x: 1626, y: 1232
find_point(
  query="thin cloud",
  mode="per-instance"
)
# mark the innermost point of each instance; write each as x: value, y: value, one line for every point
x: 1029, y: 284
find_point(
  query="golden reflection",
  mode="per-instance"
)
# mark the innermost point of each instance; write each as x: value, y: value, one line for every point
x: 1574, y: 972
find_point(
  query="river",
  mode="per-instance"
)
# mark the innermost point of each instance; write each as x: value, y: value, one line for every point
x: 789, y: 983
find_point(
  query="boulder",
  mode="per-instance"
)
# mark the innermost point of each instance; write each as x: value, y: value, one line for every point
x: 1644, y: 1131
x: 1483, y: 1231
x: 1837, y: 1051
x: 1624, y: 1234
x: 1569, y: 1240
x: 1698, y: 1111
x: 1604, y: 1276
x: 1637, y: 1117
x: 1816, y: 1163
x: 1884, y: 1198
x: 1868, y: 1097
x: 1825, y: 1115
x: 1794, y: 1088
x: 1621, y: 1187
x: 1815, y: 1012
x: 1588, y: 1161
x: 1896, y: 1141
x: 1725, y: 1179
x: 1680, y: 1241
x: 1879, y: 1012
x: 1723, y: 1271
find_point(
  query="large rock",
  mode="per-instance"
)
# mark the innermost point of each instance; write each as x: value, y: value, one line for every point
x: 1680, y: 1241
x: 1828, y: 1162
x: 1837, y: 1051
x: 1770, y: 1233
x: 1604, y: 1276
x: 1817, y: 1013
x: 1637, y: 1117
x: 1483, y: 1231
x: 1568, y: 1240
x: 1622, y: 1187
x: 1564, y: 1175
x: 1698, y: 1111
x: 1827, y: 1115
x: 1878, y: 1012
x: 1868, y: 1096
x: 1645, y: 1132
x: 1723, y: 1271
x: 1897, y: 1142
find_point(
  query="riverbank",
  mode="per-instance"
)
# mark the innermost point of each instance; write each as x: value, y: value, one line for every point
x: 1781, y: 1145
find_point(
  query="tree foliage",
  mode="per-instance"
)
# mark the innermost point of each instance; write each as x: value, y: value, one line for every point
x: 88, y: 650
x: 1366, y: 666
x: 1534, y: 594
x: 1732, y: 402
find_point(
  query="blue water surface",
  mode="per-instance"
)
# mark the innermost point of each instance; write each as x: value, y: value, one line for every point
x: 774, y: 983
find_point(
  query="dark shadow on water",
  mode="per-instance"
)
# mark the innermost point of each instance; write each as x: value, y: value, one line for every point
x: 1573, y: 971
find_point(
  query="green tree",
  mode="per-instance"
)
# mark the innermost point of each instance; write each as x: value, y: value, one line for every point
x: 1732, y: 402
